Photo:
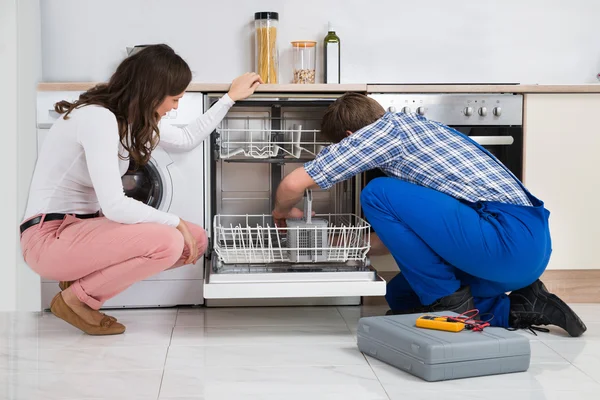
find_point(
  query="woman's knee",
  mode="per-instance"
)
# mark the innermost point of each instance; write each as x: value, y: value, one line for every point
x: 200, y: 235
x: 169, y: 241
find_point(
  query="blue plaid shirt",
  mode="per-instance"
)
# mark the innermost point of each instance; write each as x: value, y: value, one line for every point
x: 414, y: 149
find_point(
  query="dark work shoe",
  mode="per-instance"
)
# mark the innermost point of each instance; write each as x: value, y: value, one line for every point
x: 534, y: 306
x: 459, y: 302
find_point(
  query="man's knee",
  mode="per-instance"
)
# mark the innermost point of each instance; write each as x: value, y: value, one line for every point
x: 373, y: 190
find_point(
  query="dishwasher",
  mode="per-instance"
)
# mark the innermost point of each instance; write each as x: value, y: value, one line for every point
x: 261, y: 140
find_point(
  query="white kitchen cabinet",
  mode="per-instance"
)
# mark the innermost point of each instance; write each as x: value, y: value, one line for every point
x: 562, y: 168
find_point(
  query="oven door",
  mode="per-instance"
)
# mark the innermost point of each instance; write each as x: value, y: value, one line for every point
x: 504, y: 142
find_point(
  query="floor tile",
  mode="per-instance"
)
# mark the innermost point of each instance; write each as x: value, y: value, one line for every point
x: 352, y: 314
x: 45, y: 321
x: 495, y: 395
x: 182, y: 398
x: 577, y: 349
x: 542, y: 354
x: 267, y: 316
x: 154, y: 317
x: 583, y: 354
x: 314, y: 383
x: 261, y: 353
x: 70, y: 337
x: 197, y: 336
x: 83, y: 359
x: 29, y: 322
x: 94, y: 385
x: 264, y: 355
x: 539, y: 377
x: 556, y: 333
x: 587, y: 312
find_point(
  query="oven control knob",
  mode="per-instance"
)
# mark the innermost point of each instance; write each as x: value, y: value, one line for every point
x: 405, y: 110
x: 421, y: 110
x: 483, y: 111
x: 468, y: 111
x: 497, y: 111
x: 392, y: 109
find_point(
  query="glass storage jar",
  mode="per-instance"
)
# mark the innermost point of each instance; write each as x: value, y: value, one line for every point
x: 304, y: 61
x: 267, y: 54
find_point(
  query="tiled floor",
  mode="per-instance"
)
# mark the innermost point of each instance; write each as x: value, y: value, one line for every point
x: 261, y: 353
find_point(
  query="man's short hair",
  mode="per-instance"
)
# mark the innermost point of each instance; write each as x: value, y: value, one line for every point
x: 350, y: 112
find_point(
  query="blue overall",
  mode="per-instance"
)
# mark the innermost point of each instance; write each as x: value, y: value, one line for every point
x: 441, y: 243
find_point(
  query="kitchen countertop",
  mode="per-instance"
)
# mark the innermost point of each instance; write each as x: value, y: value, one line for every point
x: 370, y: 88
x: 500, y: 88
x: 223, y: 87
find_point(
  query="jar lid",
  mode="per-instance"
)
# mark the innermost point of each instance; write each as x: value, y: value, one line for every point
x: 304, y: 43
x: 266, y: 15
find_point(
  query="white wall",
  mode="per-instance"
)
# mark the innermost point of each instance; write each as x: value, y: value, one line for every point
x: 533, y: 41
x: 29, y: 61
x: 20, y: 70
x: 8, y: 158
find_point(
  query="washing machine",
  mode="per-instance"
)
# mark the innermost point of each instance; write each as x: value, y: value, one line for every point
x: 171, y: 182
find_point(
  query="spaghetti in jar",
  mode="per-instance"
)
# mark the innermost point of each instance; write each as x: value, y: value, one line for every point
x: 267, y: 54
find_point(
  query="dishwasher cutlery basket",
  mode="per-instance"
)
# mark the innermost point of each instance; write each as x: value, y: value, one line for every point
x: 307, y: 238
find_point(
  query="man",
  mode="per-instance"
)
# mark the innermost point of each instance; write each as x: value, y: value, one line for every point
x: 462, y: 228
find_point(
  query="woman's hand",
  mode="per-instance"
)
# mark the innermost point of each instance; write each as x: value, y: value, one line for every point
x: 242, y: 87
x: 190, y: 242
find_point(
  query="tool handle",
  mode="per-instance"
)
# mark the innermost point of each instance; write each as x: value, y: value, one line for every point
x: 308, y: 206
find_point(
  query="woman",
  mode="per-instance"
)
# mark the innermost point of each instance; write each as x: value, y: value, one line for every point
x: 98, y: 254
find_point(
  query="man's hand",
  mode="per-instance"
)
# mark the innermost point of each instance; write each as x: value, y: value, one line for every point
x: 280, y: 218
x: 289, y: 193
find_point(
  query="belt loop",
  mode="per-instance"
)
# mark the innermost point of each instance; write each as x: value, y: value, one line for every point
x: 42, y: 221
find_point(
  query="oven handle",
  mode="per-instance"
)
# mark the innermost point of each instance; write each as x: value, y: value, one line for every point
x: 493, y: 140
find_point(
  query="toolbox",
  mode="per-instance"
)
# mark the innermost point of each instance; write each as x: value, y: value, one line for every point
x: 436, y: 355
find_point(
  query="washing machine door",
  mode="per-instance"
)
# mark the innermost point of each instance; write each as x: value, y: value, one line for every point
x: 151, y: 183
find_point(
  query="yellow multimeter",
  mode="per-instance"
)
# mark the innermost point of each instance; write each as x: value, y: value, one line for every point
x: 439, y: 323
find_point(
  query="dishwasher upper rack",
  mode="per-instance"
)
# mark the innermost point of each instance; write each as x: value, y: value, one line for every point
x: 267, y: 137
x: 256, y: 239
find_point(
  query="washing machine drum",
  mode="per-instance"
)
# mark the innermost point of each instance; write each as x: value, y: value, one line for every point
x: 144, y: 184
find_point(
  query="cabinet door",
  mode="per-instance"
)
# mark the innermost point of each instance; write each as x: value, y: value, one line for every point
x: 562, y: 168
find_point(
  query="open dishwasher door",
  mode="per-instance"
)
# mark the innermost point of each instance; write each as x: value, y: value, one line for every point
x: 261, y: 141
x: 290, y: 283
x: 320, y: 256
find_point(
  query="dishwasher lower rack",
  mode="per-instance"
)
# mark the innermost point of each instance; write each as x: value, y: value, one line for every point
x: 255, y: 239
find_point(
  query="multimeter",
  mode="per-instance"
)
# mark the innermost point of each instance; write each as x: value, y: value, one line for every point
x: 440, y: 323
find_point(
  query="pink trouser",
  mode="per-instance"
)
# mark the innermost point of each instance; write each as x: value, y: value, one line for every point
x: 104, y: 257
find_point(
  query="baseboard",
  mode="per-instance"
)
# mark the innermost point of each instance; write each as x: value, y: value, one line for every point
x: 571, y: 285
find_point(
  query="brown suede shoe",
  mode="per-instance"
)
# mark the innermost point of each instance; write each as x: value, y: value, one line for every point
x: 63, y: 311
x: 64, y: 285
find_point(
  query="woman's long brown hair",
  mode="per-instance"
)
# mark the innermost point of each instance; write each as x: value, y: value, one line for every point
x: 137, y: 88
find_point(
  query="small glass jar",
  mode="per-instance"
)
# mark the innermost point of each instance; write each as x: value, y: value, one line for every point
x: 305, y: 63
x: 267, y: 54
